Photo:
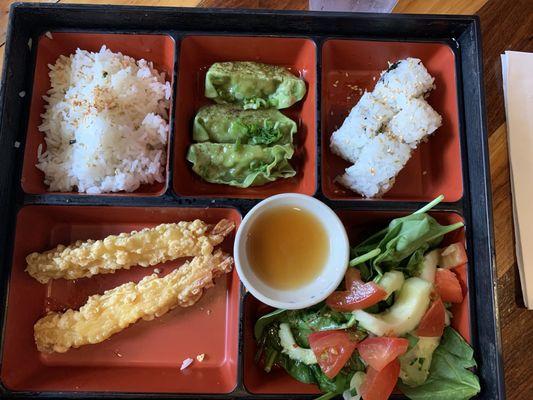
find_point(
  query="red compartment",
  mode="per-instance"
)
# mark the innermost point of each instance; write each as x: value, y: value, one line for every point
x: 196, y: 56
x: 156, y: 48
x: 146, y: 357
x: 435, y: 167
x: 359, y: 225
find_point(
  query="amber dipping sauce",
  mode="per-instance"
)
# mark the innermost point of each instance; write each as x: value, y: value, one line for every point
x: 287, y: 247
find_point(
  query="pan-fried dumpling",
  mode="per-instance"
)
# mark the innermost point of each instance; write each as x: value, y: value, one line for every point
x: 228, y: 124
x: 253, y: 85
x: 241, y: 165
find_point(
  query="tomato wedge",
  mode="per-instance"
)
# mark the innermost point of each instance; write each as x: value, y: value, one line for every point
x: 432, y: 323
x: 351, y: 278
x: 378, y: 352
x: 358, y: 295
x: 448, y: 286
x: 332, y: 350
x: 453, y: 256
x: 378, y: 385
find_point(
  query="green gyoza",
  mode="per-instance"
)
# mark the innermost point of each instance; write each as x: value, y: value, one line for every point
x: 241, y: 165
x: 229, y: 124
x: 253, y: 85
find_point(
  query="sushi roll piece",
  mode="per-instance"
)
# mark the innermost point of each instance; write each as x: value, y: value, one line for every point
x: 365, y: 120
x: 383, y: 128
x: 414, y: 122
x: 402, y: 81
x: 374, y: 172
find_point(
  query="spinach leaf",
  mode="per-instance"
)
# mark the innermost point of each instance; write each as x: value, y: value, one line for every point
x: 369, y: 243
x: 412, y: 266
x: 266, y: 320
x: 449, y: 377
x: 456, y: 345
x: 354, y: 364
x: 269, y: 347
x: 407, y: 234
x: 401, y: 245
x: 298, y: 370
x: 364, y: 257
x: 306, y: 321
x: 339, y: 384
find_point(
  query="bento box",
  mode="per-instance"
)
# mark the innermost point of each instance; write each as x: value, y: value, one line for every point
x: 334, y: 53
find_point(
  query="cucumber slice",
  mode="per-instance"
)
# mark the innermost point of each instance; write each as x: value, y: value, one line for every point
x: 404, y: 315
x: 355, y: 384
x: 414, y: 365
x: 429, y: 266
x: 290, y: 347
x: 391, y: 281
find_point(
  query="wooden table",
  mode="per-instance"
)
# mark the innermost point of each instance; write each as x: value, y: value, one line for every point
x: 506, y: 25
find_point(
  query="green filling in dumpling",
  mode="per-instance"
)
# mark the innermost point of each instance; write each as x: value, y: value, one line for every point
x: 253, y: 85
x: 228, y: 124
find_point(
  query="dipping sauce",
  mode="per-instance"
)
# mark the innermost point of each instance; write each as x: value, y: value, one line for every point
x: 287, y: 247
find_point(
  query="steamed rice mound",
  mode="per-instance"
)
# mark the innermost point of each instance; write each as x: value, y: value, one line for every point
x: 105, y: 124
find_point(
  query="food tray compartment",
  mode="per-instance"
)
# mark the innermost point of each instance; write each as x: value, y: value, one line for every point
x: 145, y: 357
x: 350, y: 67
x: 197, y: 53
x: 359, y: 225
x: 159, y: 49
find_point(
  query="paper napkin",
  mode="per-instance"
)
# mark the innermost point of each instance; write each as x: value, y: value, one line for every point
x: 517, y: 71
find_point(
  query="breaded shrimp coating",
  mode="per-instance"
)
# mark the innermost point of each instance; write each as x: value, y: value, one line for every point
x: 104, y: 315
x: 148, y: 247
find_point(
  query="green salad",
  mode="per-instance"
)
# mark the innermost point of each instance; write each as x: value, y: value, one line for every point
x: 386, y: 327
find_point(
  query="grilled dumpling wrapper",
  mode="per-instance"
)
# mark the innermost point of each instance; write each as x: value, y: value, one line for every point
x: 253, y: 85
x: 241, y: 165
x: 229, y: 124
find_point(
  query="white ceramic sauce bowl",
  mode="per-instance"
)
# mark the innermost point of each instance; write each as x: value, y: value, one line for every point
x: 332, y: 273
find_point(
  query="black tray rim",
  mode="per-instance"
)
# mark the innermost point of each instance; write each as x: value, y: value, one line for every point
x: 479, y: 240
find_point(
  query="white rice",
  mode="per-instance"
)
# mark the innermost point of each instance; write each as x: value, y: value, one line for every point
x: 105, y: 123
x: 403, y: 80
x: 414, y: 122
x: 363, y: 122
x: 374, y: 172
x: 383, y: 127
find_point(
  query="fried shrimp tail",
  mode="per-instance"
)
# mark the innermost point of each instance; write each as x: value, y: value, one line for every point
x: 147, y: 247
x: 116, y: 309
